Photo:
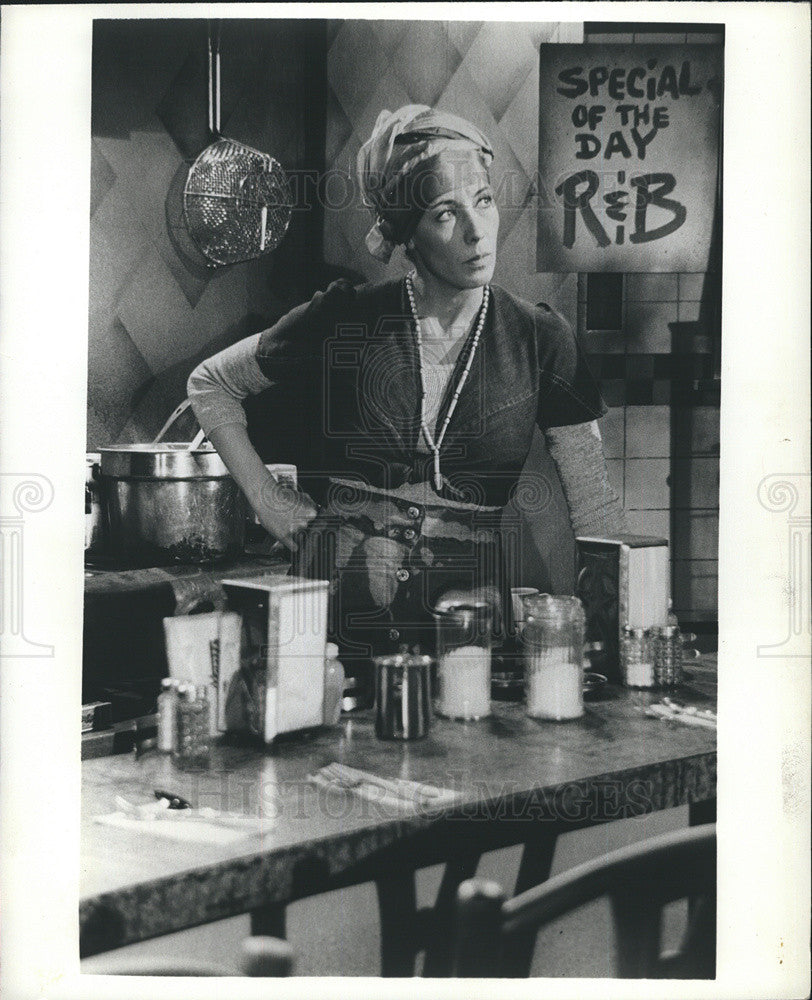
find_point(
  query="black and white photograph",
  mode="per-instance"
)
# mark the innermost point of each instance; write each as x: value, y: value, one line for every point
x: 409, y: 616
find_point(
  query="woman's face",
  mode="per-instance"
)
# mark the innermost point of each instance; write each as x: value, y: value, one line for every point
x: 455, y: 239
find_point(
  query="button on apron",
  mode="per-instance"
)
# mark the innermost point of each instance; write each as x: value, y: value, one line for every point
x: 402, y: 576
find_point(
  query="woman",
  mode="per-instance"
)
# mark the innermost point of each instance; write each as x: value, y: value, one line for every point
x: 420, y: 395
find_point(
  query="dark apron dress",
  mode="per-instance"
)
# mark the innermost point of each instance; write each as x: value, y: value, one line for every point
x: 388, y: 543
x: 390, y: 555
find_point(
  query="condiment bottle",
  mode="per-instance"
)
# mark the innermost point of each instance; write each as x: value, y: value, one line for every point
x: 205, y: 706
x: 333, y: 685
x: 167, y: 715
x: 553, y: 639
x: 192, y: 747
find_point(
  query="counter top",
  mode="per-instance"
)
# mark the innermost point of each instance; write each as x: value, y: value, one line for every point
x: 186, y: 581
x: 510, y: 772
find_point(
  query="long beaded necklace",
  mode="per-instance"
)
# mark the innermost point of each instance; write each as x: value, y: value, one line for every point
x: 435, y: 446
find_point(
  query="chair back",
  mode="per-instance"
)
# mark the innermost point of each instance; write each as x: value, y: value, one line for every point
x: 492, y: 933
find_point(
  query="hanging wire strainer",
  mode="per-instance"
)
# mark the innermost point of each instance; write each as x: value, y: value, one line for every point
x: 237, y: 202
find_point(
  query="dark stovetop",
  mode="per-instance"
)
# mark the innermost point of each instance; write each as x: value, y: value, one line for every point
x: 124, y: 653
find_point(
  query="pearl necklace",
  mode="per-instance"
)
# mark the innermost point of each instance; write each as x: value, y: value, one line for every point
x: 436, y: 445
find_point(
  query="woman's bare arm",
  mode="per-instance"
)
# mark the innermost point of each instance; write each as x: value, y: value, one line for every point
x: 282, y: 510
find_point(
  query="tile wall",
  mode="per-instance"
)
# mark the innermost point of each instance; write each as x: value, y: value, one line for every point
x: 661, y: 435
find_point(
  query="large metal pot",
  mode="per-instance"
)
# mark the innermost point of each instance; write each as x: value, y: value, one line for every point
x: 166, y: 503
x: 169, y: 502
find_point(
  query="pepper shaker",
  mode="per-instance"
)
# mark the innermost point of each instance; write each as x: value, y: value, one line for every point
x: 192, y: 748
x: 667, y: 656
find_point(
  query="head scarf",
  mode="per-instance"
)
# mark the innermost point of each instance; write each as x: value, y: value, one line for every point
x: 401, y: 141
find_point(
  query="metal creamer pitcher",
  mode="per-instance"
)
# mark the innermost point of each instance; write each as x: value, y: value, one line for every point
x: 402, y: 696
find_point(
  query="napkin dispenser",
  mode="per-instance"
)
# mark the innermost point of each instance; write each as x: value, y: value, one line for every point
x: 280, y: 684
x: 205, y: 649
x: 622, y: 580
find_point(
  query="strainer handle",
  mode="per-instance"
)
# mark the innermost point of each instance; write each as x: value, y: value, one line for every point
x: 214, y: 78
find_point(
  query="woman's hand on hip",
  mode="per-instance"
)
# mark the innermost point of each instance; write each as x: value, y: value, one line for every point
x: 284, y: 511
x: 281, y: 510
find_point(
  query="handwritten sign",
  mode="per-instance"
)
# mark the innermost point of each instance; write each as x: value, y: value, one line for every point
x: 628, y: 156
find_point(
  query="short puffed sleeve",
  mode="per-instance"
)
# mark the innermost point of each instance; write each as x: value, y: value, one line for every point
x: 295, y: 343
x: 568, y: 392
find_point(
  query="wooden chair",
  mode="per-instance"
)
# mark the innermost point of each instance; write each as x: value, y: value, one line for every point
x: 260, y: 956
x: 495, y: 936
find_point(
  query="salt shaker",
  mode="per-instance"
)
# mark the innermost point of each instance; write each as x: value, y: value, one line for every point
x: 637, y: 657
x: 553, y: 639
x: 333, y: 685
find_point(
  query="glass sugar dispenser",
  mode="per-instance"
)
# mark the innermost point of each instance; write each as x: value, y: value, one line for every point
x: 553, y: 639
x: 464, y: 660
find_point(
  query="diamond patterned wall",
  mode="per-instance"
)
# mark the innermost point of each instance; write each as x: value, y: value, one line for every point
x: 484, y: 71
x: 155, y: 307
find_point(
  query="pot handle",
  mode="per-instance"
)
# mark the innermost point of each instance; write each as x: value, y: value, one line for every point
x: 177, y: 412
